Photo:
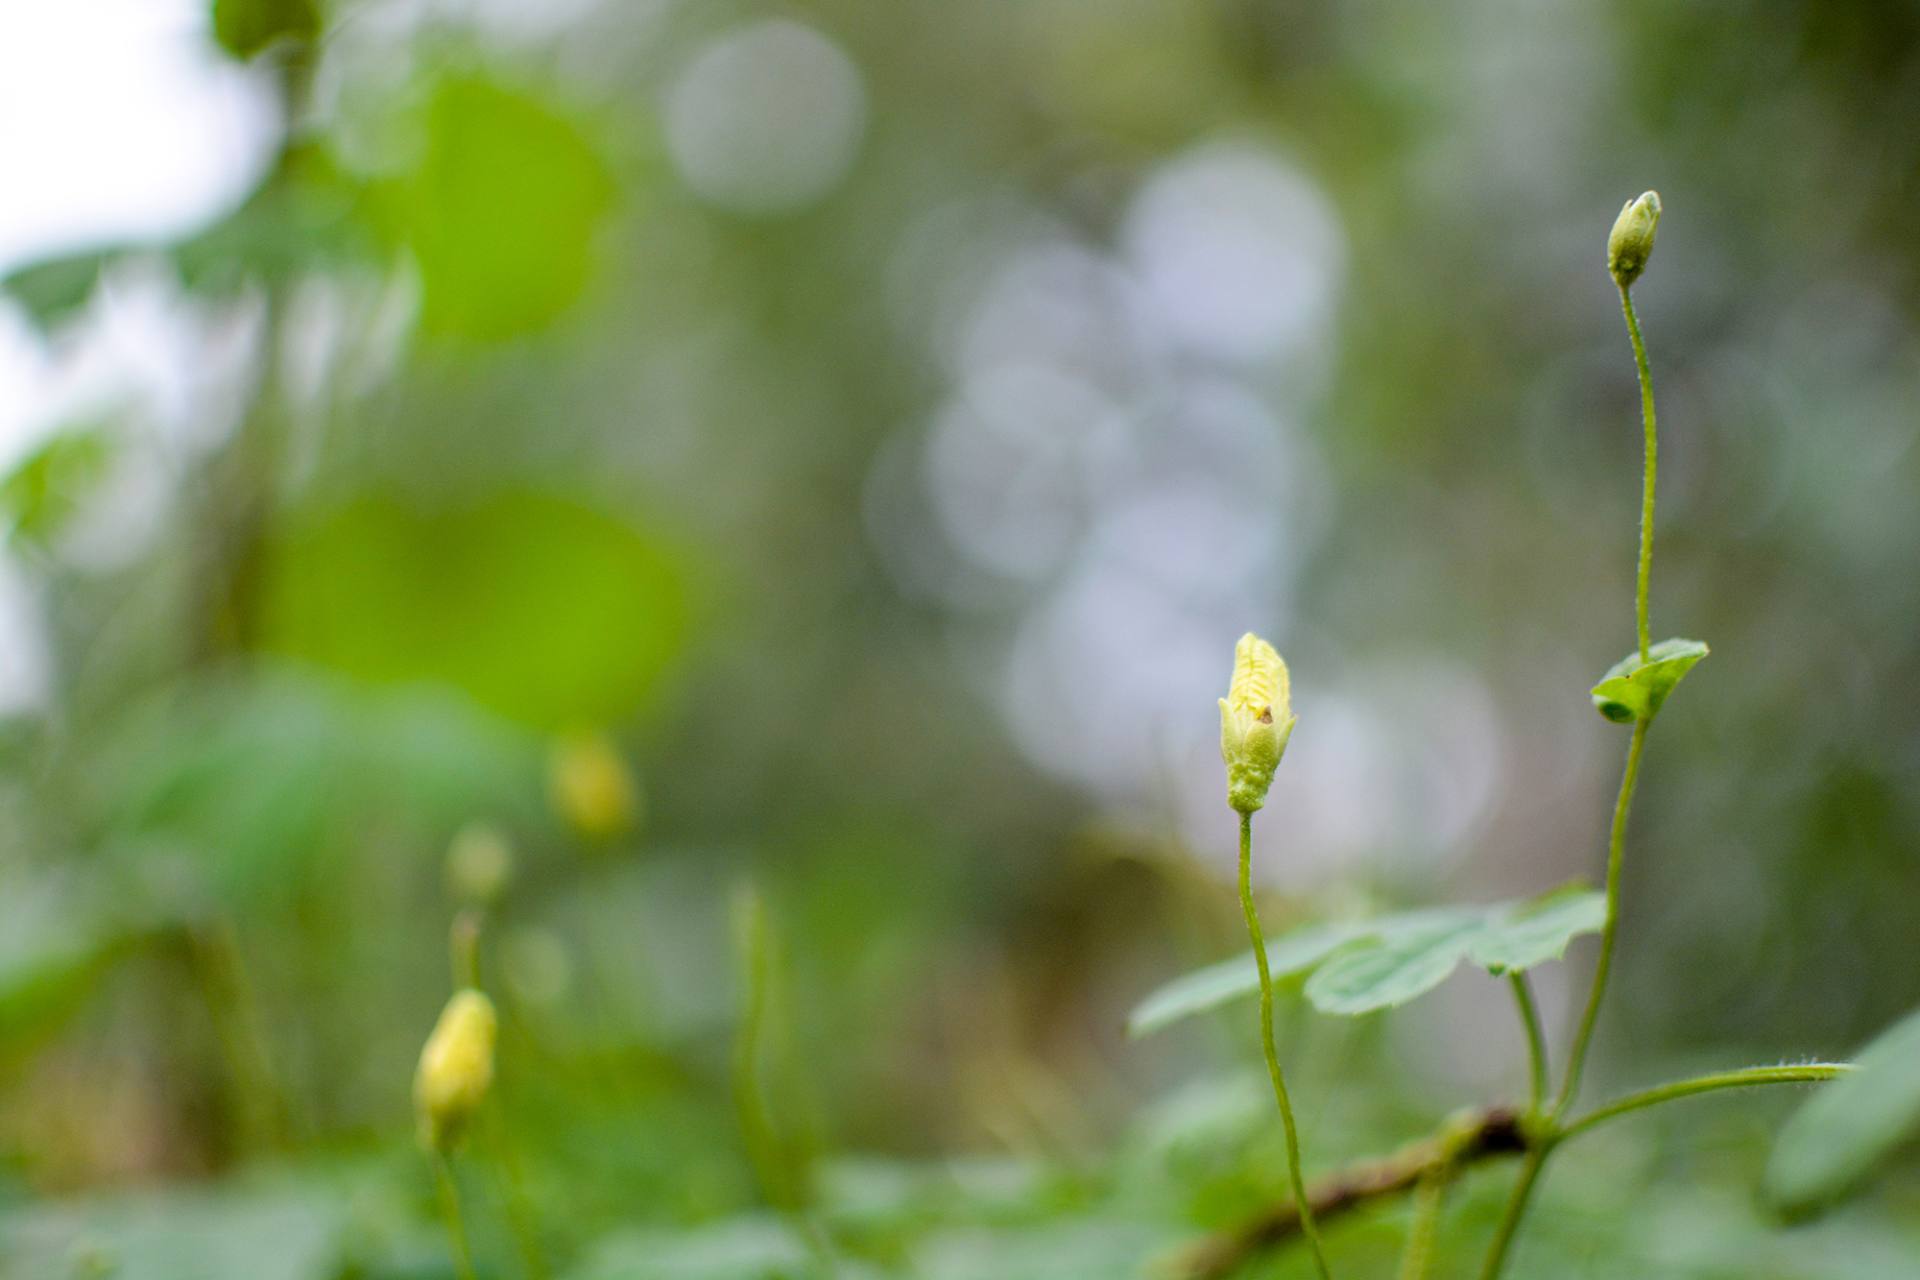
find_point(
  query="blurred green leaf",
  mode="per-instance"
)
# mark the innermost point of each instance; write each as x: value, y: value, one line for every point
x: 1534, y: 932
x: 252, y: 779
x: 47, y: 486
x: 747, y: 1248
x: 190, y: 1235
x: 1289, y: 955
x: 52, y: 290
x: 54, y: 942
x: 502, y: 211
x: 247, y: 27
x: 538, y: 607
x: 1850, y: 1125
x: 1632, y: 689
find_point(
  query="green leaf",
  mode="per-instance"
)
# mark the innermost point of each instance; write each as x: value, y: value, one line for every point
x: 1288, y: 956
x: 1850, y: 1125
x: 1358, y: 967
x: 1634, y: 690
x: 247, y: 27
x: 502, y: 212
x: 1518, y: 937
x: 542, y: 609
x: 49, y: 485
x: 1407, y: 964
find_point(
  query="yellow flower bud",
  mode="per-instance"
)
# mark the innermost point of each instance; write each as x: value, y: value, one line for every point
x: 592, y: 788
x: 479, y: 865
x: 456, y: 1068
x: 1256, y: 719
x: 1631, y: 242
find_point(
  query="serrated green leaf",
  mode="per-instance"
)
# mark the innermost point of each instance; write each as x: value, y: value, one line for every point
x: 1397, y: 970
x: 1851, y: 1125
x: 1288, y: 956
x: 1517, y: 937
x: 1635, y: 690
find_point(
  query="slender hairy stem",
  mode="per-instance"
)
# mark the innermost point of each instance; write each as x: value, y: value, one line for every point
x: 1428, y: 1199
x: 450, y: 1211
x: 1536, y: 1041
x: 1307, y: 1224
x: 1516, y: 1210
x: 1805, y: 1073
x: 1622, y: 806
x: 1650, y: 467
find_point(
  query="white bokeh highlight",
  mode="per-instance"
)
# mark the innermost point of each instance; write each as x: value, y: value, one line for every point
x: 766, y: 118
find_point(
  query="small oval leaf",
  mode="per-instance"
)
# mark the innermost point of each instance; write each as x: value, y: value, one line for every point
x: 1287, y: 956
x: 1397, y: 970
x: 1635, y: 690
x: 1849, y: 1126
x: 1524, y: 934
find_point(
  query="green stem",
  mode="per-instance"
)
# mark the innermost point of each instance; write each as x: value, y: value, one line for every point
x: 1307, y: 1225
x: 1429, y: 1197
x: 1650, y: 467
x: 1805, y: 1073
x: 1516, y: 1209
x: 1536, y: 1040
x: 1622, y: 806
x: 456, y: 1224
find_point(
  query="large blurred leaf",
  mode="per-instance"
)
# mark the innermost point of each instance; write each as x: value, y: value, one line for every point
x: 502, y: 210
x: 250, y: 778
x: 1850, y: 1125
x: 1373, y: 964
x: 55, y: 938
x: 538, y: 607
x: 194, y: 1235
x: 756, y: 1248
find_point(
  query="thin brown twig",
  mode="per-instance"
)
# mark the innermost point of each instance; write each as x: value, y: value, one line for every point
x: 1480, y: 1135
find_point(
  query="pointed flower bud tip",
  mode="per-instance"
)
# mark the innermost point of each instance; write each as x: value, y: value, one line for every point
x: 1631, y: 243
x: 456, y: 1069
x: 1256, y: 719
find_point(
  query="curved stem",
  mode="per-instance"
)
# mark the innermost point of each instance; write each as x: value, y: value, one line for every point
x: 1622, y: 806
x: 1650, y: 466
x: 1805, y: 1073
x: 1307, y: 1225
x: 1536, y: 1040
x: 1429, y: 1198
x: 450, y: 1211
x: 1516, y: 1210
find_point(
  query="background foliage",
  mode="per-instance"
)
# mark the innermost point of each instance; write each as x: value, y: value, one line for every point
x: 876, y: 422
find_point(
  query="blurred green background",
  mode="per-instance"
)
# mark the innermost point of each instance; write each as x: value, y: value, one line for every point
x: 833, y: 448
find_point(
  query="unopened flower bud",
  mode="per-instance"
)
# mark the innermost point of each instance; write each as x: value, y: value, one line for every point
x: 1631, y: 243
x: 456, y: 1069
x: 479, y: 865
x: 1256, y: 719
x: 592, y: 788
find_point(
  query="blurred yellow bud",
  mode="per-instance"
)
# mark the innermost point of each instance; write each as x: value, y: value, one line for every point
x: 592, y: 788
x: 456, y: 1068
x: 1256, y: 719
x: 1631, y: 243
x: 479, y: 864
